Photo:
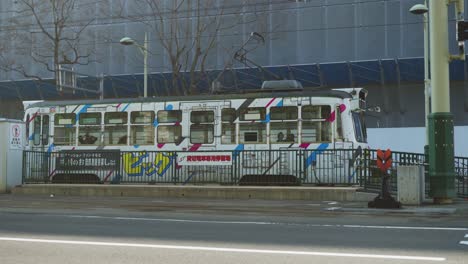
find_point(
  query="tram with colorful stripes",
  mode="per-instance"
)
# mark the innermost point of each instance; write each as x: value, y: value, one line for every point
x: 279, y: 117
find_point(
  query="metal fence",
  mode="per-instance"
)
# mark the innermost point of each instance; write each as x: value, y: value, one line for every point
x: 247, y: 167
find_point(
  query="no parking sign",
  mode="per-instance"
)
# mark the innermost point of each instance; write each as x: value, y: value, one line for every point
x: 16, y: 141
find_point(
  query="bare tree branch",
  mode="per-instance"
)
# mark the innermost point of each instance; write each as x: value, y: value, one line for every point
x: 53, y: 18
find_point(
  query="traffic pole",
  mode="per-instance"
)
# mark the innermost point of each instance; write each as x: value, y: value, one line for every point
x: 441, y: 128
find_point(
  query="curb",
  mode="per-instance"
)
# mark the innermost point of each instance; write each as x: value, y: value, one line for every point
x: 343, y: 194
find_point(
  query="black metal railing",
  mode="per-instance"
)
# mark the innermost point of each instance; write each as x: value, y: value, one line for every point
x: 248, y: 167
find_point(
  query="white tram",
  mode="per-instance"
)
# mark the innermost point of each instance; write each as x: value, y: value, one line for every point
x: 265, y: 120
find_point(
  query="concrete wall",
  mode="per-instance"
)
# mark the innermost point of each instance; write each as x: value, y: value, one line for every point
x: 412, y: 139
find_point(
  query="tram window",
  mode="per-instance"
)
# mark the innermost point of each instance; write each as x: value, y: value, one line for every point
x: 115, y: 129
x: 146, y: 117
x: 339, y: 125
x: 316, y: 112
x: 142, y: 129
x: 228, y: 127
x: 228, y: 133
x: 90, y: 119
x: 228, y: 115
x: 252, y: 133
x: 359, y: 127
x: 65, y: 119
x: 313, y: 132
x: 115, y: 118
x: 45, y: 130
x: 169, y: 134
x: 283, y: 132
x: 27, y: 130
x: 169, y: 116
x: 37, y: 130
x: 142, y: 135
x: 252, y: 113
x: 283, y: 113
x: 64, y: 130
x: 202, y: 116
x: 89, y: 131
x: 201, y: 134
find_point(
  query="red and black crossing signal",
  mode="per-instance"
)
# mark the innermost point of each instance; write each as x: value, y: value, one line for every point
x: 384, y: 160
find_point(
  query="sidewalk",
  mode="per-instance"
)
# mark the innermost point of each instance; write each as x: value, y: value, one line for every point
x: 44, y: 203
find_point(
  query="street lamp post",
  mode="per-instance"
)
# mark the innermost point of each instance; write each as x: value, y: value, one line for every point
x: 144, y: 50
x: 421, y: 9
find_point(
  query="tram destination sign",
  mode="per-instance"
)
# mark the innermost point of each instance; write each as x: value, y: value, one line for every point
x: 204, y: 158
x: 88, y: 160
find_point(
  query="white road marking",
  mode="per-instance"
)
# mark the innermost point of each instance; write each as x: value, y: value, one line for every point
x: 411, y: 227
x: 332, y: 208
x: 266, y: 223
x: 221, y: 249
x: 464, y: 242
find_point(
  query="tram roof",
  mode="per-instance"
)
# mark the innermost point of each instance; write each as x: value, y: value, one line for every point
x: 326, y: 92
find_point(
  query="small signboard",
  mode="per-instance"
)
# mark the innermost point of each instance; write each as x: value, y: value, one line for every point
x: 16, y: 135
x: 73, y: 160
x: 204, y: 158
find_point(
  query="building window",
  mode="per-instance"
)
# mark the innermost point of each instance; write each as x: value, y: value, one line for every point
x: 142, y: 128
x: 89, y: 130
x: 115, y: 128
x: 169, y: 116
x: 64, y: 129
x: 169, y: 134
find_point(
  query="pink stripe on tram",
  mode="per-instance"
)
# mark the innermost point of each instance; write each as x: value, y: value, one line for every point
x: 52, y: 174
x: 271, y: 101
x: 32, y: 118
x: 304, y: 145
x: 195, y: 147
x: 332, y: 117
x: 108, y: 175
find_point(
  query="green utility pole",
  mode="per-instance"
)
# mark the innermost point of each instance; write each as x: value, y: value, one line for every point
x: 441, y: 129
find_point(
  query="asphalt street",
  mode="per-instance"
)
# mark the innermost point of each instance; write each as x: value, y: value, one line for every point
x: 81, y: 230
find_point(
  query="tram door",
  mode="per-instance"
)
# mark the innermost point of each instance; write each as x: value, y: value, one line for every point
x: 40, y: 134
x: 203, y: 126
x: 203, y: 133
x: 39, y: 137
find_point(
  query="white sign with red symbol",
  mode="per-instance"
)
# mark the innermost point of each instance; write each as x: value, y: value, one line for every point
x: 16, y: 141
x: 204, y: 158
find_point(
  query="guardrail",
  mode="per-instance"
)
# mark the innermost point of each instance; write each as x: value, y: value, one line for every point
x: 248, y: 167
